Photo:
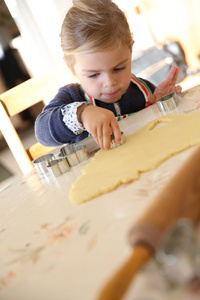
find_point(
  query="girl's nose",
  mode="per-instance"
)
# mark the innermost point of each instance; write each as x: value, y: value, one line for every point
x: 109, y: 80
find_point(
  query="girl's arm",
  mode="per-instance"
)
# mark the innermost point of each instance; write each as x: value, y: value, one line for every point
x: 50, y: 128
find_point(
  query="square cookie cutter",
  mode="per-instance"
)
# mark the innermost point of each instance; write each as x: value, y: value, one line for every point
x: 41, y: 162
x: 168, y: 102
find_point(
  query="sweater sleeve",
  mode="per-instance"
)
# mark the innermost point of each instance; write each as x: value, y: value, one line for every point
x: 50, y: 130
x: 69, y: 113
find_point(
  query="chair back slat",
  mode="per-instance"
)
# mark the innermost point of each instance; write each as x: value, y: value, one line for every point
x: 33, y: 91
x: 22, y: 97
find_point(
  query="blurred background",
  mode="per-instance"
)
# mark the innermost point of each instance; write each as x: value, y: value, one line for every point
x: 166, y: 33
x: 34, y: 28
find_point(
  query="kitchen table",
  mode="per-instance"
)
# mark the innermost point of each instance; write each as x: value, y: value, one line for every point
x: 51, y: 249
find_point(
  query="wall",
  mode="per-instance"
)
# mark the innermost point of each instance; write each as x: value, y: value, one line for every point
x: 175, y: 20
x: 39, y: 23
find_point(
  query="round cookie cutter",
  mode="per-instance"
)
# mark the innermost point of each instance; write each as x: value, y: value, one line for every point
x: 168, y: 102
x: 41, y: 162
x: 113, y: 144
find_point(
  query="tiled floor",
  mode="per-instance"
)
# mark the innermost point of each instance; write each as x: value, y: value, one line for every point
x: 8, y: 161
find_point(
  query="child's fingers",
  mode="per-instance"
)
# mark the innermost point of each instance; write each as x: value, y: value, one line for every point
x: 106, y: 136
x: 116, y: 131
x: 97, y: 135
x: 152, y: 98
x: 102, y: 136
x: 178, y: 89
x: 101, y: 125
x: 173, y: 74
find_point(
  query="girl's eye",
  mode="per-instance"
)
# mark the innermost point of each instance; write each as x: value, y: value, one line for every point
x: 93, y: 75
x: 120, y: 69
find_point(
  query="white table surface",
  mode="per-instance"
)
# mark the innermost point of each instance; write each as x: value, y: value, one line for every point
x: 51, y: 249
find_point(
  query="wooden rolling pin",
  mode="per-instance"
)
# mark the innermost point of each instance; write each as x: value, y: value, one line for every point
x: 179, y: 199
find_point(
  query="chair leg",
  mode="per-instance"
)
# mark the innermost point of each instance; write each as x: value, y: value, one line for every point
x: 14, y: 142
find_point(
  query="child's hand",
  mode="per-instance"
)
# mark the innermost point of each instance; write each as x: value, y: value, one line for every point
x: 167, y: 86
x: 101, y: 123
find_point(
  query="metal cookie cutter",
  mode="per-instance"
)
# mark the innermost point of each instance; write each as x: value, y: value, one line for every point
x: 41, y: 162
x: 69, y: 153
x: 168, y: 102
x: 74, y: 154
x: 81, y: 152
x: 58, y: 166
x: 113, y: 144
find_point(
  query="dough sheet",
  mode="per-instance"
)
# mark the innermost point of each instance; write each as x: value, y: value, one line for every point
x: 144, y: 150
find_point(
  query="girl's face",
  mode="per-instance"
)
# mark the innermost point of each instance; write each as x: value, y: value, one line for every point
x: 104, y: 75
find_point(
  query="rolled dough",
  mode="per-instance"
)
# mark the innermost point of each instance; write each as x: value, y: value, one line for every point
x: 144, y: 150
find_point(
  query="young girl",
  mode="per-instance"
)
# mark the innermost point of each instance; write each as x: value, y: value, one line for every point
x: 97, y: 46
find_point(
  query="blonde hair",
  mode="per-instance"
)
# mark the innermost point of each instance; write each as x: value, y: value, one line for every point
x: 92, y: 26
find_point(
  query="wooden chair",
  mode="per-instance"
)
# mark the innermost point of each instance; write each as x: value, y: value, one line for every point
x: 20, y: 98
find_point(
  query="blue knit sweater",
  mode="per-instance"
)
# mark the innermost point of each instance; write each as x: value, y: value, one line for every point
x: 50, y: 130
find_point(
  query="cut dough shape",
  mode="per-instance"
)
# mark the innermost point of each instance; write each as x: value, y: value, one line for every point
x: 144, y: 150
